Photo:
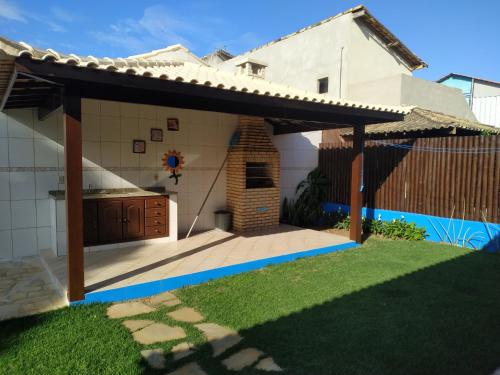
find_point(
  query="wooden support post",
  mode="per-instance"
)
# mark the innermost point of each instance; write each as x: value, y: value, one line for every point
x: 357, y: 183
x: 74, y: 203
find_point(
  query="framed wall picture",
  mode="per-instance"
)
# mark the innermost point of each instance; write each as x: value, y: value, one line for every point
x: 139, y: 146
x: 156, y: 135
x: 173, y: 124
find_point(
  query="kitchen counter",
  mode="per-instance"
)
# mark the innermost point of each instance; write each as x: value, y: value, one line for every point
x: 114, y: 193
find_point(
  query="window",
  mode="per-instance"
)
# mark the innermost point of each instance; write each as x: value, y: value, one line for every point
x: 258, y: 175
x: 323, y: 85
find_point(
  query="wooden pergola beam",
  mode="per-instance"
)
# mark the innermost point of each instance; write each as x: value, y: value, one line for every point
x: 357, y: 183
x: 74, y: 197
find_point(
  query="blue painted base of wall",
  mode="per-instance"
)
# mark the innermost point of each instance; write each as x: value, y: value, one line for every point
x: 481, y: 235
x: 159, y: 286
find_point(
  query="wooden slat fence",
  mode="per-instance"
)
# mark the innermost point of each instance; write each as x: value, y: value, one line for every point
x: 420, y: 180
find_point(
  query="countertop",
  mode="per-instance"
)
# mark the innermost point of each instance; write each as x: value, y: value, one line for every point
x: 114, y: 193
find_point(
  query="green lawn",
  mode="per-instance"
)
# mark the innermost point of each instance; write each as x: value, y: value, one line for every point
x: 388, y: 307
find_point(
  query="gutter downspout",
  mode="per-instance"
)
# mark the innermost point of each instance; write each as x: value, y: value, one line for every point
x: 340, y: 71
x: 473, y: 82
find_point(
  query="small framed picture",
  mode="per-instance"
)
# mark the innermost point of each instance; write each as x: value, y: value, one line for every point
x: 139, y: 146
x: 156, y: 135
x: 173, y: 124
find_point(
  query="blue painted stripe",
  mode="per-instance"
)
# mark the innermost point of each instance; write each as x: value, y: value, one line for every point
x: 154, y: 287
x: 477, y: 232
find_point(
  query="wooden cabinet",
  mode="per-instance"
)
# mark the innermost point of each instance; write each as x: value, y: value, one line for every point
x: 124, y: 219
x: 110, y: 220
x: 90, y: 223
x: 156, y: 215
x: 133, y: 218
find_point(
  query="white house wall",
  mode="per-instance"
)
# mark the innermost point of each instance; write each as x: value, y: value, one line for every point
x: 487, y: 110
x: 485, y: 89
x: 368, y: 58
x: 299, y: 156
x: 32, y: 163
x: 302, y: 59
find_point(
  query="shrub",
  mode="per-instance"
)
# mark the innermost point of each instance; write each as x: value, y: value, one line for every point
x: 306, y: 209
x: 395, y: 229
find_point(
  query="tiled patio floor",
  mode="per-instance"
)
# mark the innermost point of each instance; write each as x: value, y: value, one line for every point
x: 25, y: 289
x: 121, y: 267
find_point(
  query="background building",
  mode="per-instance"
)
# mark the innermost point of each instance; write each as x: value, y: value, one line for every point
x: 483, y: 96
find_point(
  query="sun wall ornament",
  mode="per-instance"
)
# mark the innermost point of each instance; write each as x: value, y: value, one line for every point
x: 173, y: 162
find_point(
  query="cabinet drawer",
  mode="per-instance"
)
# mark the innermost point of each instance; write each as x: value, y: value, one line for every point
x: 156, y: 230
x: 155, y: 212
x: 152, y: 221
x: 155, y: 202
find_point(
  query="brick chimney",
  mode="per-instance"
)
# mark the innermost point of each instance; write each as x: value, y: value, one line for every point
x: 253, y: 177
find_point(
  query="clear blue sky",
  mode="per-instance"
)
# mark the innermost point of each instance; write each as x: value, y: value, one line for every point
x: 450, y: 35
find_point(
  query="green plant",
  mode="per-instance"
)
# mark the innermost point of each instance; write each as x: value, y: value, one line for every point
x: 306, y: 209
x: 290, y: 212
x: 395, y: 229
x: 493, y: 240
x: 400, y: 229
x: 462, y: 237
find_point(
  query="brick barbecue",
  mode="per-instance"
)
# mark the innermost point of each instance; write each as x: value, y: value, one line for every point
x: 253, y: 177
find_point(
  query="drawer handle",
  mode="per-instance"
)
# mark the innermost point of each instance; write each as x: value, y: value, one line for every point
x: 158, y: 203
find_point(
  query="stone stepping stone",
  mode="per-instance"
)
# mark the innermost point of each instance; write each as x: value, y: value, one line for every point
x: 134, y: 325
x: 172, y: 303
x: 220, y: 338
x: 154, y: 357
x: 182, y: 350
x: 268, y: 364
x: 242, y: 359
x: 186, y: 314
x: 122, y: 310
x: 162, y: 297
x: 191, y: 368
x: 158, y: 332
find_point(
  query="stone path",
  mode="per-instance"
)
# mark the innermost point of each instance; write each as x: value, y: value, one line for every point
x: 268, y: 364
x: 122, y: 310
x: 186, y: 314
x: 26, y: 289
x: 154, y: 357
x: 182, y: 350
x: 242, y: 359
x: 190, y: 369
x: 220, y: 338
x: 148, y: 332
x: 158, y: 332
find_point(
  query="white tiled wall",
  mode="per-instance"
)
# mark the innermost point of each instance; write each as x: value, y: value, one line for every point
x: 32, y: 162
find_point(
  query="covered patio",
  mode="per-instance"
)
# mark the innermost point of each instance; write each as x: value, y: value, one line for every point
x: 142, y: 270
x: 47, y: 80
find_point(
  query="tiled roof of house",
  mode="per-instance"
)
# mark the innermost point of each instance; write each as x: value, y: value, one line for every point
x: 423, y: 120
x: 179, y: 71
